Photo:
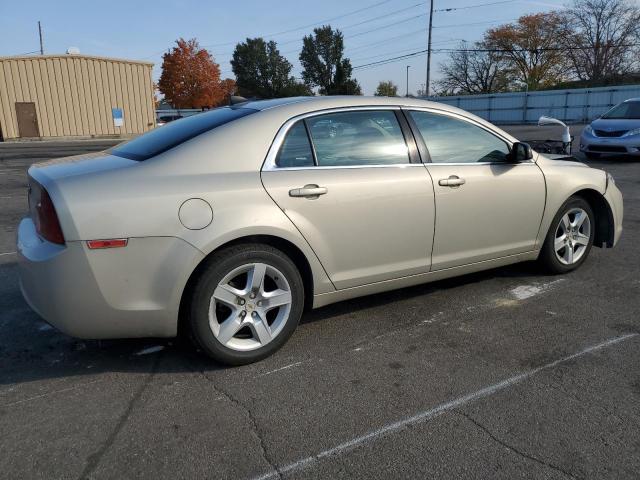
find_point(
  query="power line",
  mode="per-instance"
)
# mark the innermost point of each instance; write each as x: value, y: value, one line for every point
x: 386, y: 40
x: 481, y: 50
x: 386, y: 26
x: 389, y: 60
x: 430, y: 29
x: 475, y: 23
x: 302, y: 27
x: 270, y: 35
x: 478, y: 5
x: 530, y: 50
x: 359, y: 34
x: 410, y: 49
x: 386, y: 15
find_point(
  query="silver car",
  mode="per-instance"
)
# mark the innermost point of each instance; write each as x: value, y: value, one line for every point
x: 616, y: 132
x: 230, y: 223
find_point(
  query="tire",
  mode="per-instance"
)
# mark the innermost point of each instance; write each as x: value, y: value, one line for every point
x: 570, y: 251
x: 591, y: 155
x: 226, y: 282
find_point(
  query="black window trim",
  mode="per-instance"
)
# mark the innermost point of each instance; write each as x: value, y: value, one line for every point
x: 311, y: 144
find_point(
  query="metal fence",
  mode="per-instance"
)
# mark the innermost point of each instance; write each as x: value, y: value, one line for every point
x: 573, y: 106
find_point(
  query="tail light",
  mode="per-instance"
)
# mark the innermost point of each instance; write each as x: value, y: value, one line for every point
x: 44, y: 214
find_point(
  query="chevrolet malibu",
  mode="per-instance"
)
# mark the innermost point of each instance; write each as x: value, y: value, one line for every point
x: 229, y: 224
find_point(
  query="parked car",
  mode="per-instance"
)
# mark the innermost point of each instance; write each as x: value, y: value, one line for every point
x: 164, y: 119
x: 616, y: 132
x: 229, y: 224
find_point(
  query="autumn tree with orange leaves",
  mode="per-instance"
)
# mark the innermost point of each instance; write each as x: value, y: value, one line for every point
x: 531, y: 48
x: 191, y: 78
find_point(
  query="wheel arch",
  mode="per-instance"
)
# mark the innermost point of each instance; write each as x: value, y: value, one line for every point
x: 605, y: 225
x: 285, y: 246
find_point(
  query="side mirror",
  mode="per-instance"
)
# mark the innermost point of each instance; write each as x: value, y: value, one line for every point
x: 520, y: 152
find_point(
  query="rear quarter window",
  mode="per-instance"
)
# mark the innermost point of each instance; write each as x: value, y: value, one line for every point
x: 164, y: 138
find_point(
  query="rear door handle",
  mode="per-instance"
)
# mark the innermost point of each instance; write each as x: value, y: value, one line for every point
x: 310, y: 191
x: 452, y: 181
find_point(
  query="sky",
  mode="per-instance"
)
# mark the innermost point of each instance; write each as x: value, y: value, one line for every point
x: 374, y: 30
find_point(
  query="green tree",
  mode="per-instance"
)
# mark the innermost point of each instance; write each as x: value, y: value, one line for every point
x: 323, y: 63
x: 262, y: 72
x: 386, y: 89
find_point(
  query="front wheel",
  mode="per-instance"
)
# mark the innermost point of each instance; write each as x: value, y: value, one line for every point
x: 569, y: 238
x: 246, y: 303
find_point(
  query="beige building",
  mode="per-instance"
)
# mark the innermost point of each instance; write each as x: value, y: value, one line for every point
x: 52, y: 96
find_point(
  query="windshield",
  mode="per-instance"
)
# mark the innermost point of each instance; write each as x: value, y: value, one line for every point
x: 163, y: 138
x: 626, y: 110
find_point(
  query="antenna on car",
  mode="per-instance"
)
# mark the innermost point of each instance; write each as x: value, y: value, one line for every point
x: 236, y: 99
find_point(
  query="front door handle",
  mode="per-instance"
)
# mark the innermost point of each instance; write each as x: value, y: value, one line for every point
x: 310, y: 191
x: 452, y: 181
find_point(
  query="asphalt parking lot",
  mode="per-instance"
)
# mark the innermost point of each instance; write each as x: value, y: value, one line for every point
x: 508, y: 374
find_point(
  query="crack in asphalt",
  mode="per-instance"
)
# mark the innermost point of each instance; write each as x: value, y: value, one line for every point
x: 93, y: 460
x: 516, y: 450
x: 255, y: 429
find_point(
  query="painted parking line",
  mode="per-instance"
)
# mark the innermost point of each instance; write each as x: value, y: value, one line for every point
x: 434, y: 412
x: 7, y: 253
x: 286, y: 367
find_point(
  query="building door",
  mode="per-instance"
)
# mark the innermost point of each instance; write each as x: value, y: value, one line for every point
x: 27, y: 119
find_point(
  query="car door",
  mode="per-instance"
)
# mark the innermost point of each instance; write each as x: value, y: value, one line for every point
x: 347, y: 181
x: 486, y: 206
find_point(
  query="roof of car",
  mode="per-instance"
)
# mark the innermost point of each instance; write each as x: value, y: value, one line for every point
x: 284, y: 108
x: 337, y: 101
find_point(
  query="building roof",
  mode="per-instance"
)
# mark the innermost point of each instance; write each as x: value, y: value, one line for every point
x: 66, y: 56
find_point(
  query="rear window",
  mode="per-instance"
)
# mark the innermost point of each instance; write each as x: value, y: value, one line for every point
x: 161, y: 139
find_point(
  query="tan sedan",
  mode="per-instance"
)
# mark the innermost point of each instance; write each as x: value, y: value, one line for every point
x: 230, y: 223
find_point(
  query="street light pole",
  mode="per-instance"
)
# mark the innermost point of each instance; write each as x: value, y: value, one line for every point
x: 408, y: 80
x: 40, y: 36
x: 429, y: 49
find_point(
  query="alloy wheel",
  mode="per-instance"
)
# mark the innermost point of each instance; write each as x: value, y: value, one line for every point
x: 250, y: 306
x: 572, y: 236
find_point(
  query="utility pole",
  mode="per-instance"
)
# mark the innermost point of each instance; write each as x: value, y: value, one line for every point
x: 408, y: 80
x: 40, y: 35
x: 429, y: 49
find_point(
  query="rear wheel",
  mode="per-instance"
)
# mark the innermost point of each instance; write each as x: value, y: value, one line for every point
x: 246, y: 303
x: 570, y: 237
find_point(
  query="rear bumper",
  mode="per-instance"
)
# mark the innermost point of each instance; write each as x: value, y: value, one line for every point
x: 112, y: 293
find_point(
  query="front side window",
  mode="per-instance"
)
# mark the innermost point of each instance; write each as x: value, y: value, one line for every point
x: 358, y: 138
x: 450, y: 140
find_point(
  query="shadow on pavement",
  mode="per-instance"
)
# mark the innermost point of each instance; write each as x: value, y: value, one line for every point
x: 31, y: 350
